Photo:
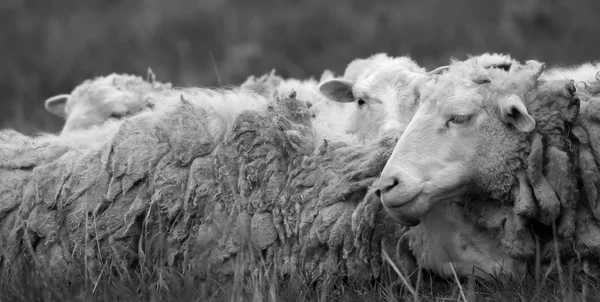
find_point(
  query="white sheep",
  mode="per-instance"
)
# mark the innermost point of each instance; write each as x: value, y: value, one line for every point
x: 265, y: 184
x: 466, y: 143
x: 330, y: 119
x: 306, y: 90
x: 381, y: 89
x: 95, y: 101
x: 219, y: 108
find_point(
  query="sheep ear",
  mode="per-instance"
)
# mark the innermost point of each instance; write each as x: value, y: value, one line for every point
x: 514, y: 112
x: 57, y: 105
x: 338, y: 90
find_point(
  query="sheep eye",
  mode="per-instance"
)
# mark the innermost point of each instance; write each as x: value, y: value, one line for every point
x: 116, y: 115
x: 459, y: 119
x: 361, y: 102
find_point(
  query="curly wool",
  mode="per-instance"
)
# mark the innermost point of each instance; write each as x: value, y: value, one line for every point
x: 308, y: 207
x: 543, y: 187
x: 586, y: 73
x: 329, y: 119
x: 522, y: 182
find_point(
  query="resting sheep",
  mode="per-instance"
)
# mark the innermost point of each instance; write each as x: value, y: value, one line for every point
x: 382, y: 89
x: 329, y: 119
x: 467, y: 173
x: 210, y: 181
x: 212, y: 176
x: 95, y: 101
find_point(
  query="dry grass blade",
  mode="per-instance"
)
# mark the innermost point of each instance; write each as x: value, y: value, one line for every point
x: 214, y: 63
x: 558, y: 264
x: 538, y: 265
x: 471, y: 288
x: 99, y: 277
x: 462, y: 292
x: 543, y: 281
x: 404, y: 280
x: 418, y: 286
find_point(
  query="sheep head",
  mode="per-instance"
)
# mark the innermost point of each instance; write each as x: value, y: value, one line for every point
x: 382, y: 89
x: 95, y: 101
x: 469, y: 135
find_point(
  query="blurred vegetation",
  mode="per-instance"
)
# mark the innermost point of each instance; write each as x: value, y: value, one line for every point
x: 51, y: 46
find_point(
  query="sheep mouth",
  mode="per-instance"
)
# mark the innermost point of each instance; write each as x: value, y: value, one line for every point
x: 399, y: 213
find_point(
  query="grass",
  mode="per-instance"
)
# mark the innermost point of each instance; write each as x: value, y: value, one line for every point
x: 151, y: 280
x: 50, y: 47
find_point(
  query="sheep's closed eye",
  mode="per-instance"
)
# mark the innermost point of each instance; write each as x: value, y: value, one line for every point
x: 459, y: 119
x: 117, y: 115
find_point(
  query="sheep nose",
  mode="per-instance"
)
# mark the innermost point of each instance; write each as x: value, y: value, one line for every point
x: 387, y: 184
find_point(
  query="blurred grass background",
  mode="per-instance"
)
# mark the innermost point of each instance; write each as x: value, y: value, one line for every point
x: 51, y: 46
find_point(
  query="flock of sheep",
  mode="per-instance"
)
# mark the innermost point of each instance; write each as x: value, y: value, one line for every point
x: 459, y: 169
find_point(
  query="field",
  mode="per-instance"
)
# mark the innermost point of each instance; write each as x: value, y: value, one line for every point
x: 50, y: 47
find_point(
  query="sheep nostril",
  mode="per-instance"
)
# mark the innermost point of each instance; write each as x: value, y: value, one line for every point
x: 378, y: 193
x: 392, y: 185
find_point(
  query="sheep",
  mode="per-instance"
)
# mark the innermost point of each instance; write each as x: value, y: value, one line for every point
x: 471, y: 171
x: 306, y: 90
x: 334, y: 117
x: 119, y: 96
x: 95, y: 101
x: 306, y: 207
x: 383, y: 89
x: 213, y: 181
x: 329, y: 119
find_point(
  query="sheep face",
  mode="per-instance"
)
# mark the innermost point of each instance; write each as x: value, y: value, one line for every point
x: 93, y: 104
x: 383, y: 97
x: 463, y: 130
